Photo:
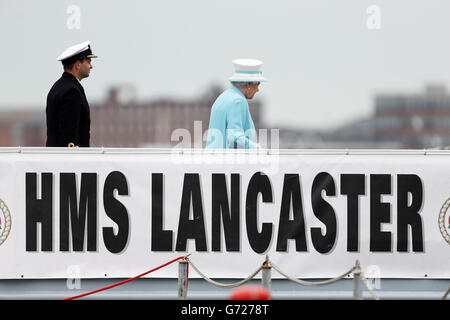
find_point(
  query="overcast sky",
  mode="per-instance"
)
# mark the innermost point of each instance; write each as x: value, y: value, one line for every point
x: 323, y: 62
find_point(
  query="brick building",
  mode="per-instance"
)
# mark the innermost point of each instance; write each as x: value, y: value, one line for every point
x: 123, y: 122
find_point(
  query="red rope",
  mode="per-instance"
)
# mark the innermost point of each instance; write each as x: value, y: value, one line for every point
x: 125, y: 281
x: 187, y: 274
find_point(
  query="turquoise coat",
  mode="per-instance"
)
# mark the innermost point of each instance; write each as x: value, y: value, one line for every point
x: 230, y: 123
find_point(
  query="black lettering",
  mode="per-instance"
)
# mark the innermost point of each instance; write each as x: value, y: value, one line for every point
x: 115, y: 210
x: 68, y: 207
x: 161, y: 239
x: 259, y: 241
x: 408, y: 215
x: 353, y: 185
x: 191, y: 229
x: 324, y: 212
x: 380, y: 212
x: 291, y: 229
x: 39, y: 211
x: 221, y: 209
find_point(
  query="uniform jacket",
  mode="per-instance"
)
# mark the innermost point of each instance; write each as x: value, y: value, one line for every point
x: 68, y: 116
x: 230, y: 123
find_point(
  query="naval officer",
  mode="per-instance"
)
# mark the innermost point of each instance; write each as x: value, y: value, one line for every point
x: 68, y: 115
x: 231, y: 124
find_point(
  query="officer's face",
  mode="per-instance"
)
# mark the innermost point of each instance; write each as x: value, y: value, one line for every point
x: 85, y: 68
x: 252, y: 88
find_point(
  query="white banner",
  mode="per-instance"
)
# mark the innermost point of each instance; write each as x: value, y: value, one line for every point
x: 120, y: 212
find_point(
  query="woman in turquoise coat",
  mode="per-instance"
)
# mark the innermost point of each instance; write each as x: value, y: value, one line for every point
x: 230, y: 123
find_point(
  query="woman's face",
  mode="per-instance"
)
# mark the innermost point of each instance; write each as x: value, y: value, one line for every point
x: 252, y: 88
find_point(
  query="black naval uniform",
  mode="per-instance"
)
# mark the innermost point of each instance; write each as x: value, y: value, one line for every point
x: 68, y: 115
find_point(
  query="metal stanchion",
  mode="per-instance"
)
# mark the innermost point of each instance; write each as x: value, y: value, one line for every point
x: 182, y: 279
x: 357, y: 283
x: 266, y: 280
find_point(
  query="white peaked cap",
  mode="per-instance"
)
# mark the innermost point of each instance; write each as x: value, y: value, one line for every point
x: 77, y: 51
x: 247, y: 70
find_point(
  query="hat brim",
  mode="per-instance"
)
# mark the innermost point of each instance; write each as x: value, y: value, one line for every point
x: 260, y: 79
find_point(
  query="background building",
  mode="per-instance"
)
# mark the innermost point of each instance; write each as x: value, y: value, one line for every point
x: 400, y: 121
x: 122, y: 121
x: 22, y: 128
x: 414, y: 120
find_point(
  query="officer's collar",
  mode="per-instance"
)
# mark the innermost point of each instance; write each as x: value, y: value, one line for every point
x: 68, y: 75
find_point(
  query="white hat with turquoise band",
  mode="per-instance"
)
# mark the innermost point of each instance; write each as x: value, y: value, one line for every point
x: 247, y: 70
